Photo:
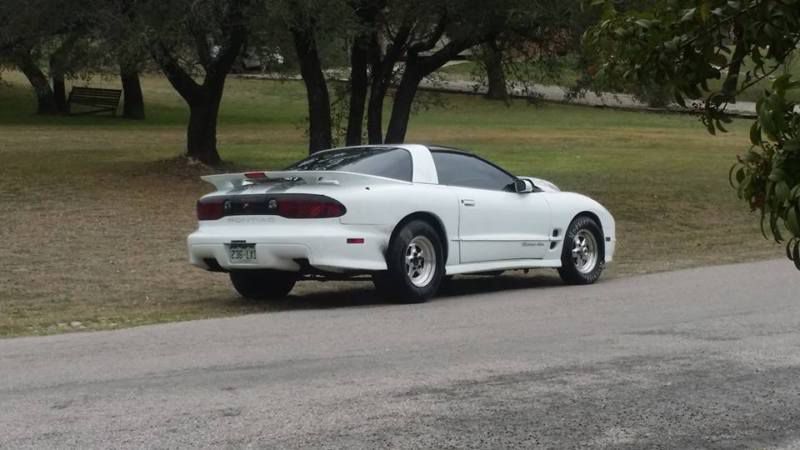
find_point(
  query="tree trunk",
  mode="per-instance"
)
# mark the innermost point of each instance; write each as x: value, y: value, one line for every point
x: 60, y: 92
x: 495, y: 75
x: 382, y: 73
x: 201, y: 142
x: 319, y: 105
x: 133, y: 99
x: 46, y: 102
x: 59, y: 62
x: 204, y: 99
x: 403, y: 101
x: 377, y: 95
x: 366, y: 52
x: 358, y: 90
x: 417, y: 68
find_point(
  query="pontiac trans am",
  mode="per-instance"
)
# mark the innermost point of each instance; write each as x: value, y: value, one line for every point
x: 406, y: 215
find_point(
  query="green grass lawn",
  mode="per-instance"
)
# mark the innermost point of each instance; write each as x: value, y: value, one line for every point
x: 95, y: 210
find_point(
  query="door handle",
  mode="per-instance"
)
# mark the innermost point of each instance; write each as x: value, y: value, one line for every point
x: 468, y: 202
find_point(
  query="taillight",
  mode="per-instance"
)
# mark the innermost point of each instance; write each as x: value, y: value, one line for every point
x: 290, y: 206
x: 211, y: 208
x: 317, y: 207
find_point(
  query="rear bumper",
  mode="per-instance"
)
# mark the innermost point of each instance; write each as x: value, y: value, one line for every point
x: 285, y: 246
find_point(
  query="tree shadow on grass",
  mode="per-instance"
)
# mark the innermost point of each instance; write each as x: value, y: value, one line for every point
x: 362, y: 293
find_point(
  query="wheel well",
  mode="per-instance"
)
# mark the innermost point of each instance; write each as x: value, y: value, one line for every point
x: 429, y: 218
x: 599, y: 223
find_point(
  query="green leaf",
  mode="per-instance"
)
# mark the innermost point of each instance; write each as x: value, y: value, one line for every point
x: 781, y: 192
x: 705, y: 10
x: 755, y: 134
x: 793, y: 221
x: 742, y: 186
x: 791, y: 146
x: 761, y: 224
x: 778, y: 175
x: 781, y: 83
x: 718, y: 59
x: 755, y: 55
x: 769, y: 190
x: 773, y: 224
x: 751, y: 157
x: 688, y: 14
x: 767, y: 126
x: 794, y: 196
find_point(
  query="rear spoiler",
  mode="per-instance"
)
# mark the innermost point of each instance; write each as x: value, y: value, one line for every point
x: 229, y: 181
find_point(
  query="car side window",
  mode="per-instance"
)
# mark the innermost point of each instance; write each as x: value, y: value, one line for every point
x: 457, y: 169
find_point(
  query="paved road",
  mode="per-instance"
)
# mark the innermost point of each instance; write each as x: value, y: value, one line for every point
x: 699, y: 358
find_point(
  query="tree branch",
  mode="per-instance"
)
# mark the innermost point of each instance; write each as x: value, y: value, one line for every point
x: 177, y: 76
x: 433, y: 38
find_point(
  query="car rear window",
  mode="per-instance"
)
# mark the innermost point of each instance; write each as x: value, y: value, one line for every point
x: 381, y: 161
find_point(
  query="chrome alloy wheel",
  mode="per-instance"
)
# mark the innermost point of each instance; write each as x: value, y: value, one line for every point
x: 420, y: 261
x: 585, y: 251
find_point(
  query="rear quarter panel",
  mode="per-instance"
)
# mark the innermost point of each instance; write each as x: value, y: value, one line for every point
x: 386, y: 205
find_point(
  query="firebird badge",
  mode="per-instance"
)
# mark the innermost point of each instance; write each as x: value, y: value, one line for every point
x: 533, y: 244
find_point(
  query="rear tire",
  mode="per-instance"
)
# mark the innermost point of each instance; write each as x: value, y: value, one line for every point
x: 415, y: 260
x: 583, y: 256
x: 263, y: 284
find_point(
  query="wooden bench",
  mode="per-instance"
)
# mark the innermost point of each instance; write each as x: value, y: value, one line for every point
x: 93, y: 100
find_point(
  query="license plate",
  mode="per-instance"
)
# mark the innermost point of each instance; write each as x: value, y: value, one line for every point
x: 242, y: 253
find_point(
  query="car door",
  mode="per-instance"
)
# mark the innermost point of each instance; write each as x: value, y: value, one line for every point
x: 495, y: 223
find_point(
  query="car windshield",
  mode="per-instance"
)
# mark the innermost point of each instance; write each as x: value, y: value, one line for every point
x: 379, y: 161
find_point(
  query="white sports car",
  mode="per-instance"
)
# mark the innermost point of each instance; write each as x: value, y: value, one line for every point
x: 407, y: 215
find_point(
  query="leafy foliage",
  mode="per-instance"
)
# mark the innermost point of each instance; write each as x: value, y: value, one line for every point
x: 683, y: 45
x: 768, y: 175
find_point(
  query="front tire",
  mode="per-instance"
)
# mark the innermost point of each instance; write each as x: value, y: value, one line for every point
x: 415, y: 260
x: 263, y: 284
x: 582, y: 257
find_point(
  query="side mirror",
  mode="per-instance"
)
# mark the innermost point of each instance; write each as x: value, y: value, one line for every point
x: 523, y: 186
